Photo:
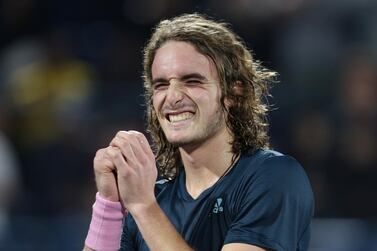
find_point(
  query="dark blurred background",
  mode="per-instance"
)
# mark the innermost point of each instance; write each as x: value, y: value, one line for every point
x: 70, y: 77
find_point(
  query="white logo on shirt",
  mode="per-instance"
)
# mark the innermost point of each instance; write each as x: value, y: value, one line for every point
x: 218, y: 208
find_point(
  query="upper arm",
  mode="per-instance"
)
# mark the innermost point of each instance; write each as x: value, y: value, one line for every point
x: 241, y: 247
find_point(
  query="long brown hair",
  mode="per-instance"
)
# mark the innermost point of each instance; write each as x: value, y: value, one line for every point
x: 246, y: 117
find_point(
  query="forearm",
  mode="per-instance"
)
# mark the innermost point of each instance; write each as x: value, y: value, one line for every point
x: 157, y: 230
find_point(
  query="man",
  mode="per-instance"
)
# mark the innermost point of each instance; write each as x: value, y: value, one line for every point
x: 222, y: 188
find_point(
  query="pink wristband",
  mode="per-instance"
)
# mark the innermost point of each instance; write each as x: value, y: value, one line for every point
x: 106, y: 226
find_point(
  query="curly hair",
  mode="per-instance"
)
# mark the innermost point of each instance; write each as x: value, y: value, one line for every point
x: 246, y: 117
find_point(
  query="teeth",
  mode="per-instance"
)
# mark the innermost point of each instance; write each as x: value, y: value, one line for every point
x: 180, y: 117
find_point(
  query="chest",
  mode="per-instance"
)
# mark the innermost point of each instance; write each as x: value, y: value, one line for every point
x: 203, y: 223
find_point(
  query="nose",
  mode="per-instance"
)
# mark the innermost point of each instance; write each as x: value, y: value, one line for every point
x: 175, y: 93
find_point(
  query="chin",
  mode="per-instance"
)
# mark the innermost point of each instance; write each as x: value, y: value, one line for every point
x: 178, y: 142
x: 185, y: 142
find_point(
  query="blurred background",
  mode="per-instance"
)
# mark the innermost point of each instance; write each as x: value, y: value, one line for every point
x: 70, y: 78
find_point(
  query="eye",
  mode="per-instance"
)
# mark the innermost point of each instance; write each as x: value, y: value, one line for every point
x: 160, y: 86
x: 193, y: 81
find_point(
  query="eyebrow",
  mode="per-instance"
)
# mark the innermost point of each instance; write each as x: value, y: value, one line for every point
x: 182, y: 78
x: 193, y: 75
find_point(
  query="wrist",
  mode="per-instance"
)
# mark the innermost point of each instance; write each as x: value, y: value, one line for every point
x: 108, y: 196
x: 106, y: 225
x: 142, y: 210
x: 106, y: 186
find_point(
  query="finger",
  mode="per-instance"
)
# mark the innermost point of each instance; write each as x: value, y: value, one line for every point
x: 144, y: 144
x: 100, y: 154
x: 126, y: 149
x: 115, y: 155
x: 134, y: 142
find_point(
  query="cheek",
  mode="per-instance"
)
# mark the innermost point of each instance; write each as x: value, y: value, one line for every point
x: 156, y: 101
x: 215, y: 107
x: 207, y: 99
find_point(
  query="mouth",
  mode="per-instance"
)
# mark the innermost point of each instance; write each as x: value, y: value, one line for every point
x: 178, y: 117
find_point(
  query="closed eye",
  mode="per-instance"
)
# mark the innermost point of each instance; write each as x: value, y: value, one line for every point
x: 193, y: 81
x: 160, y: 86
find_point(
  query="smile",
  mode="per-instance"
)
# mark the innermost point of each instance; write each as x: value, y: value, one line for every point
x: 180, y: 117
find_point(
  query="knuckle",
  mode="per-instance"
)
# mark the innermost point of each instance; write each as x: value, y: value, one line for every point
x: 124, y: 144
x: 114, y: 141
x: 129, y: 136
x: 99, y: 154
x: 140, y: 136
x: 124, y: 173
x: 116, y: 153
x: 112, y: 152
x: 120, y: 133
x: 143, y: 161
x: 135, y: 132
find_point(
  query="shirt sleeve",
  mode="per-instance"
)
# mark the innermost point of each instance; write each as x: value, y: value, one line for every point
x: 274, y: 208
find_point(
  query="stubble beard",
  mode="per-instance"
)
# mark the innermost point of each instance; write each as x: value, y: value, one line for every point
x: 212, y: 127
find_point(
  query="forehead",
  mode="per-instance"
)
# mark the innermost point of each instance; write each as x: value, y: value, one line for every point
x: 176, y: 58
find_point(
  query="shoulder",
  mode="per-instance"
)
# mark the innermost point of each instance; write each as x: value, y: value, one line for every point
x: 273, y: 202
x: 273, y: 171
x: 273, y: 163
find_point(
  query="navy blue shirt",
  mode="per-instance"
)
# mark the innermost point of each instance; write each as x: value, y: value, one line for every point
x: 265, y: 200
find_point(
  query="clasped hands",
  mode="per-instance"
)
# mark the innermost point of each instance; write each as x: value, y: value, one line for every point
x: 126, y: 171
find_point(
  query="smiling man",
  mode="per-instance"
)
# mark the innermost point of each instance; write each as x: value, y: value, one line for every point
x: 221, y: 187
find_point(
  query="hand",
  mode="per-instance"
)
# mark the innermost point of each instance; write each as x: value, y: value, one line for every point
x: 136, y: 169
x: 105, y: 173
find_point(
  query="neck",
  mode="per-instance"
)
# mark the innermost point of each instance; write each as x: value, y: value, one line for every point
x: 205, y: 164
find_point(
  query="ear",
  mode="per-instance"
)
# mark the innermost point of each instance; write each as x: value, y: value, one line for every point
x: 237, y: 89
